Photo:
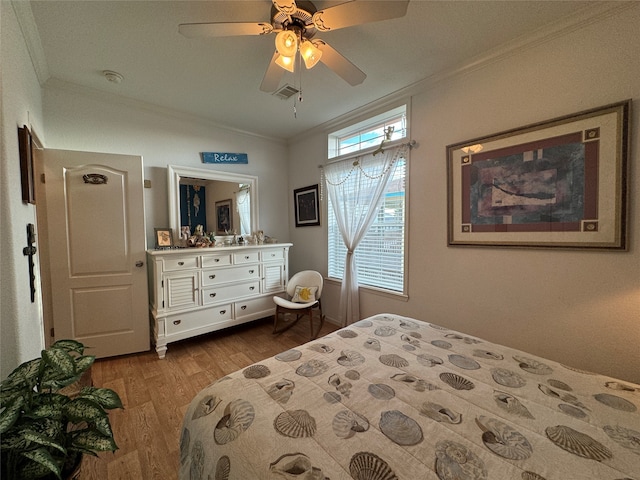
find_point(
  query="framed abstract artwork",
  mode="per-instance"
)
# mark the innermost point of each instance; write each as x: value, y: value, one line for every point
x: 164, y: 238
x: 559, y: 183
x: 224, y: 217
x: 305, y: 201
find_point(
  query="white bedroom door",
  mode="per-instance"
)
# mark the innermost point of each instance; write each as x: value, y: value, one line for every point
x: 95, y: 237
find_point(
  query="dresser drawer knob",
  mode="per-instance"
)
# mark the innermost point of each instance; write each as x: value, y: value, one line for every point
x: 251, y: 271
x: 247, y: 257
x: 212, y: 294
x: 243, y: 307
x: 181, y: 263
x: 216, y: 260
x: 177, y: 322
x: 212, y: 277
x: 222, y: 312
x: 252, y: 288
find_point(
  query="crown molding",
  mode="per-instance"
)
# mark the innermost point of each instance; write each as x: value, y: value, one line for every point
x: 27, y: 23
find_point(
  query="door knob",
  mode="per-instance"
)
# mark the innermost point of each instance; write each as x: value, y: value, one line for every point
x: 139, y: 263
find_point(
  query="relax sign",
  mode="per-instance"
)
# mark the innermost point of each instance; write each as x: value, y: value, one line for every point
x: 221, y: 157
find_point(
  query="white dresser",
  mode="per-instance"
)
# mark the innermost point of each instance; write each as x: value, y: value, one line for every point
x: 199, y: 290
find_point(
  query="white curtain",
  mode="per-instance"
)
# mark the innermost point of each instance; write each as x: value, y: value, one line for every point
x: 355, y: 188
x: 243, y: 206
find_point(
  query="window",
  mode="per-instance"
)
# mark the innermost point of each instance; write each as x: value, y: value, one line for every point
x: 381, y: 254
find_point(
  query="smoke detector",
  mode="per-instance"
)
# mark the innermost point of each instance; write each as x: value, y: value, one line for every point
x: 113, y: 77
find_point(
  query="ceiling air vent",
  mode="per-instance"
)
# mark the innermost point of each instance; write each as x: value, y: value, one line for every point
x: 286, y: 92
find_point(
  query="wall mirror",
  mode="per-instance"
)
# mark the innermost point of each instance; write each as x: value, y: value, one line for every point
x: 220, y: 201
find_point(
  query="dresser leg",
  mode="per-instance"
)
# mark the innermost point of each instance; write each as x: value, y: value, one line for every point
x: 161, y: 350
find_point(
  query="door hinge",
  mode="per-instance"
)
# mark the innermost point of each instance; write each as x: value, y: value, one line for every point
x: 42, y: 179
x: 52, y: 333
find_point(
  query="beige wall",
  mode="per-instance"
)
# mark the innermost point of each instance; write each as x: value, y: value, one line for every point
x: 577, y: 307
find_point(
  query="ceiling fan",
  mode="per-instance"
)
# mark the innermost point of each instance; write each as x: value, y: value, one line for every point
x: 296, y: 24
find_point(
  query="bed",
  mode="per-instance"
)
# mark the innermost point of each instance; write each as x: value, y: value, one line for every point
x: 392, y: 397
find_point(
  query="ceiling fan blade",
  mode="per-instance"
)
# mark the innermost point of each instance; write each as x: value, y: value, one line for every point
x: 272, y: 76
x: 357, y: 13
x: 339, y: 64
x: 196, y: 30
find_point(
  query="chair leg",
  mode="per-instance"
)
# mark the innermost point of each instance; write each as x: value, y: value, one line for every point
x: 287, y: 325
x: 315, y: 335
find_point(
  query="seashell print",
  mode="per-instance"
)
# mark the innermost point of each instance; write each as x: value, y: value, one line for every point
x: 578, y: 443
x: 454, y: 461
x: 441, y: 344
x: 393, y: 360
x: 488, y: 354
x: 343, y: 387
x: 312, y: 368
x: 417, y: 335
x: 372, y: 344
x: 456, y: 381
x: 385, y: 318
x: 347, y: 423
x: 416, y: 383
x: 295, y: 424
x: 332, y: 397
x: 564, y: 396
x: 295, y: 465
x: 464, y: 362
x: 385, y: 331
x: 207, y: 405
x: 185, y: 441
x: 321, y: 348
x: 368, y: 466
x: 624, y: 436
x: 620, y: 386
x: 503, y: 440
x: 558, y: 384
x: 616, y: 402
x: 256, y: 371
x: 579, y: 370
x: 511, y: 404
x: 527, y: 475
x: 289, y: 355
x: 571, y: 410
x: 223, y: 468
x: 408, y: 324
x: 467, y: 340
x: 533, y: 366
x: 196, y: 468
x: 429, y: 360
x: 346, y: 333
x: 410, y: 340
x: 363, y: 324
x: 408, y: 348
x: 281, y: 391
x: 400, y: 428
x: 437, y: 327
x: 350, y: 358
x: 507, y: 378
x: 439, y: 413
x: 352, y: 374
x: 238, y: 416
x: 381, y: 391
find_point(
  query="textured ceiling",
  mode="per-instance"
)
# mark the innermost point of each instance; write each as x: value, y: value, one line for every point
x: 219, y: 78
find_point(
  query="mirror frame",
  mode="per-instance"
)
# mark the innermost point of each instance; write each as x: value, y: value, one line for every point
x: 175, y: 173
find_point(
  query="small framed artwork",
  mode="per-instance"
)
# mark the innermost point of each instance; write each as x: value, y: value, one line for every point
x: 25, y: 144
x: 559, y: 183
x: 224, y: 217
x: 305, y: 201
x: 164, y: 238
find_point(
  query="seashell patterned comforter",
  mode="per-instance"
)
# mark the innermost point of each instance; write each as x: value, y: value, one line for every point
x: 391, y: 397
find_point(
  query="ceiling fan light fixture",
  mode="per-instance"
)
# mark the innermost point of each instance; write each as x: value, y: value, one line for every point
x: 287, y: 43
x: 310, y: 54
x: 286, y: 62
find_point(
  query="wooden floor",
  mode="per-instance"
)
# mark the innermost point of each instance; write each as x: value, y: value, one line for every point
x: 156, y: 394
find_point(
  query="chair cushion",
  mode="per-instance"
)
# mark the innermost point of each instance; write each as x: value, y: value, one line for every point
x: 283, y: 302
x: 304, y: 294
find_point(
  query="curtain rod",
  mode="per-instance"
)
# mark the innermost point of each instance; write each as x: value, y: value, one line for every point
x: 410, y: 144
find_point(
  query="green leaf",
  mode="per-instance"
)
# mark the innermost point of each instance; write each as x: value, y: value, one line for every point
x: 60, y: 361
x: 82, y: 409
x: 44, y: 458
x: 49, y: 405
x: 105, y: 397
x: 69, y: 346
x: 84, y: 363
x: 93, y: 440
x: 104, y: 426
x: 43, y: 440
x: 10, y: 413
x: 24, y: 374
x: 55, y: 381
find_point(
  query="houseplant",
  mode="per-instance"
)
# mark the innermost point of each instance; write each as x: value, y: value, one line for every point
x: 45, y: 430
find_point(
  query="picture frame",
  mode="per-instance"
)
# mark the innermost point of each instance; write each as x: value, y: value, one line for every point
x: 25, y: 145
x: 307, y: 211
x: 164, y: 238
x: 561, y: 183
x: 224, y: 216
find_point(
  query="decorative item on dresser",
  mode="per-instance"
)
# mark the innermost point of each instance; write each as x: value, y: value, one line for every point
x: 196, y: 291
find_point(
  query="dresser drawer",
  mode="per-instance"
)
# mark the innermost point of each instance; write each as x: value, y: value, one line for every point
x: 180, y: 263
x: 250, y: 307
x: 224, y: 293
x: 225, y: 275
x: 272, y: 254
x: 245, y: 257
x: 216, y: 260
x: 194, y: 320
